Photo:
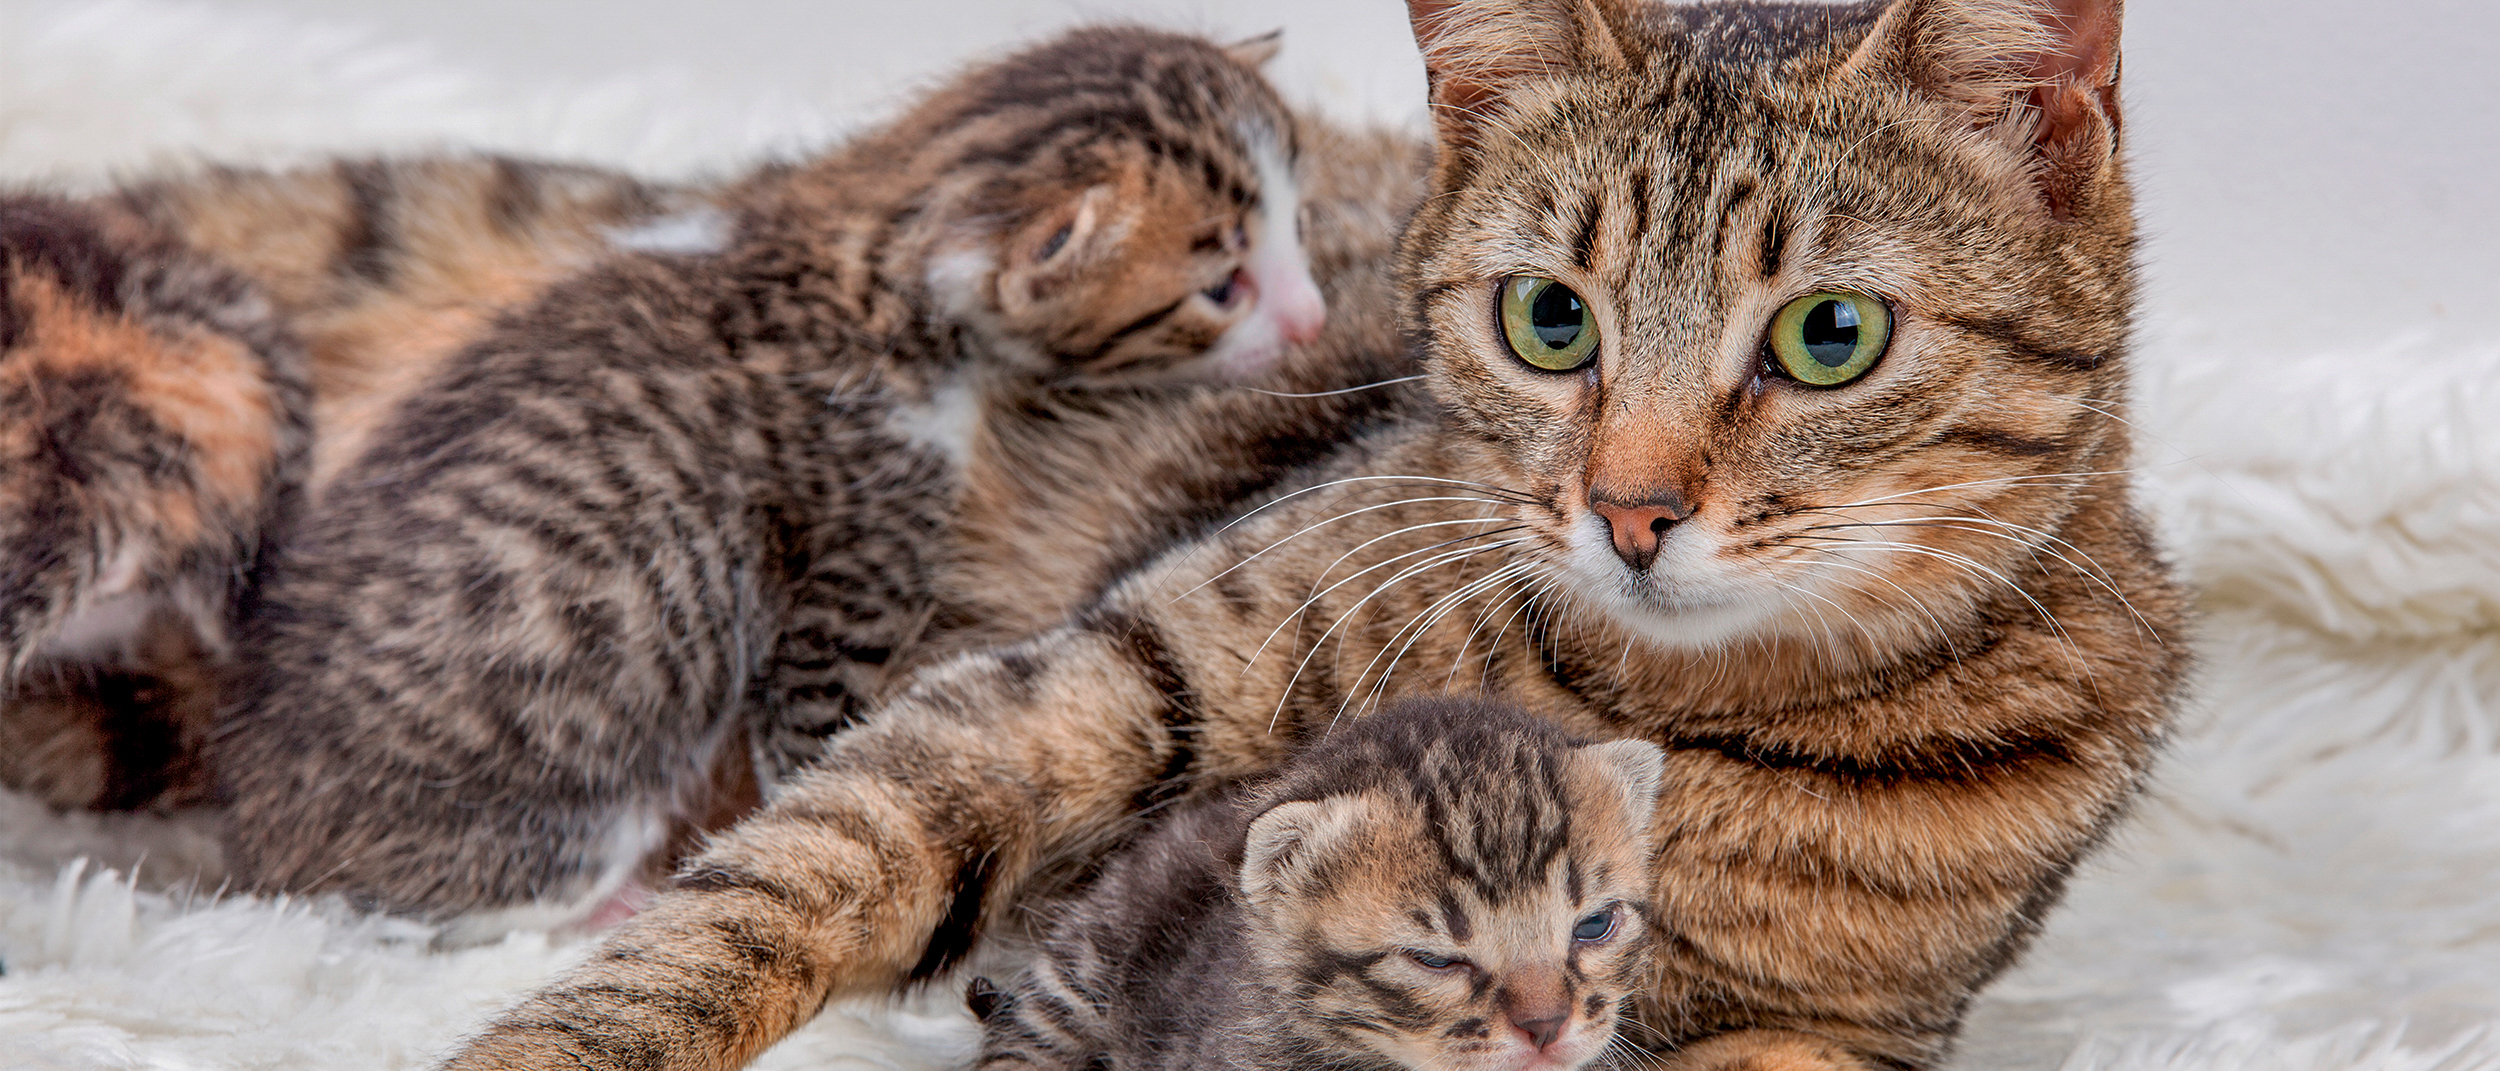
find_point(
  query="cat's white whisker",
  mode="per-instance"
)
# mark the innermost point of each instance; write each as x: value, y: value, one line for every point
x: 1525, y: 580
x: 1286, y: 693
x: 2029, y: 477
x: 1415, y: 628
x: 1977, y: 568
x: 1315, y: 526
x: 1322, y: 575
x: 1334, y: 393
x: 1915, y: 602
x: 1296, y: 613
x: 2095, y: 573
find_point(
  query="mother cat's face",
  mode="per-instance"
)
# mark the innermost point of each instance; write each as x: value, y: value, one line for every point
x: 1779, y: 354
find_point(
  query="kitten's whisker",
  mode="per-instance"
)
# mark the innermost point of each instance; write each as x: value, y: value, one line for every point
x: 1334, y: 393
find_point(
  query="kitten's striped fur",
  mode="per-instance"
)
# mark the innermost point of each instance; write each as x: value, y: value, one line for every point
x: 1446, y: 886
x: 1907, y: 645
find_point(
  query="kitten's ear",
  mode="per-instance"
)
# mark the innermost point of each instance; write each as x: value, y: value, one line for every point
x: 2041, y: 74
x: 1637, y: 767
x: 1478, y: 52
x: 1256, y: 51
x: 1289, y: 843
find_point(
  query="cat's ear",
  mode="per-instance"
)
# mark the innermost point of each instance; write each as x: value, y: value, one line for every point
x: 1637, y: 768
x: 1293, y: 841
x: 1256, y: 51
x: 2042, y: 75
x: 1477, y: 53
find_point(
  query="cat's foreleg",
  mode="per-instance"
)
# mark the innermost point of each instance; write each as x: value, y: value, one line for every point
x: 880, y: 865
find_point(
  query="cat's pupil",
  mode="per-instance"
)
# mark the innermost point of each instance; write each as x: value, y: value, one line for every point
x: 1831, y: 333
x: 1557, y: 317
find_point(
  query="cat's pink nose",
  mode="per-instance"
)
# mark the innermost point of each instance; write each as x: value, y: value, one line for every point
x: 1639, y: 521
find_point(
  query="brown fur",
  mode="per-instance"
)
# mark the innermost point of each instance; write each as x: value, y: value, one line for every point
x: 1906, y: 643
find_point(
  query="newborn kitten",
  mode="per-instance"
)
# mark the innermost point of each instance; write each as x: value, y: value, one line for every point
x: 1450, y: 885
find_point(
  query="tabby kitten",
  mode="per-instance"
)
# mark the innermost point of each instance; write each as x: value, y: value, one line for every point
x: 376, y: 270
x: 685, y: 500
x: 152, y: 426
x: 1779, y: 355
x: 1448, y: 885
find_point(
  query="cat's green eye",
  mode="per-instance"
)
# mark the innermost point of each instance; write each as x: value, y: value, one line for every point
x: 1547, y: 324
x: 1831, y: 338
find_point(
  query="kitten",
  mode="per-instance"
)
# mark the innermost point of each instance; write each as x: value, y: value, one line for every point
x: 1779, y: 358
x: 683, y: 500
x: 371, y: 272
x: 152, y: 424
x: 1445, y: 885
x: 386, y: 266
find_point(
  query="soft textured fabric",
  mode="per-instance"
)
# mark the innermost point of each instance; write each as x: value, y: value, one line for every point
x: 2313, y: 884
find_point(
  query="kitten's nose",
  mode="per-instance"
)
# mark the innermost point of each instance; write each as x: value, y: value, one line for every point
x: 1285, y: 287
x: 1537, y: 1004
x: 1541, y: 1032
x: 1640, y: 520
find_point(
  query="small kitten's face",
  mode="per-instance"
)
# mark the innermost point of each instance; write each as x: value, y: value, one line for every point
x: 1796, y: 350
x: 1152, y: 272
x: 1506, y: 932
x: 1128, y: 211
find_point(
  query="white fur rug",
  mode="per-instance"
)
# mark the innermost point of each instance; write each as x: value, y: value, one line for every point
x: 2314, y: 886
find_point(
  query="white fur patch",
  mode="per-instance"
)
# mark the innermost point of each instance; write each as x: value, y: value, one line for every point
x: 696, y: 232
x: 946, y: 425
x: 1277, y: 265
x: 636, y: 834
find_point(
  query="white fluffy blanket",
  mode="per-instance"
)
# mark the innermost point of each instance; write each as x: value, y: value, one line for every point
x: 2314, y: 884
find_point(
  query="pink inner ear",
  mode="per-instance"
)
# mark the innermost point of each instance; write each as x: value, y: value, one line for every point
x: 2089, y: 32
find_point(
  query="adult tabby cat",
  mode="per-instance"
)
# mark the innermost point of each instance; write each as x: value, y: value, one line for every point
x: 1443, y: 886
x: 1777, y: 351
x: 685, y: 499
